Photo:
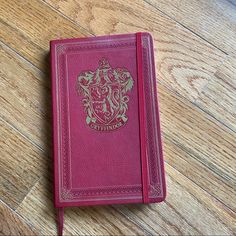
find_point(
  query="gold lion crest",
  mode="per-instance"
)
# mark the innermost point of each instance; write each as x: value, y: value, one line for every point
x: 105, y: 98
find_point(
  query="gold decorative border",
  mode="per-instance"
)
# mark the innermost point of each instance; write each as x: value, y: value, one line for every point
x: 67, y: 194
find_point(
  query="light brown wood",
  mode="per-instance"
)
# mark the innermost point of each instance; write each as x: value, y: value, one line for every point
x: 197, y: 94
x: 188, y: 209
x: 218, y: 96
x: 12, y: 224
x: 185, y: 62
x: 187, y: 163
x: 227, y: 70
x: 29, y: 25
x: 38, y: 208
x: 180, y: 214
x: 25, y: 97
x: 21, y: 165
x: 194, y: 131
x: 212, y: 20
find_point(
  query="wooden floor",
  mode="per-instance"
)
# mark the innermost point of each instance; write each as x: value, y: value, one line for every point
x: 195, y: 43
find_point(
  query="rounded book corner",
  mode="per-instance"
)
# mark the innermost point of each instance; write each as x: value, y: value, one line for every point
x: 158, y: 199
x: 147, y: 34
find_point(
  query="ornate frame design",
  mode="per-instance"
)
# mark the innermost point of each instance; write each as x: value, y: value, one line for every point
x: 66, y: 193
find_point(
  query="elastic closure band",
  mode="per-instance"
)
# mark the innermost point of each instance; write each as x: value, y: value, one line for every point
x: 142, y: 118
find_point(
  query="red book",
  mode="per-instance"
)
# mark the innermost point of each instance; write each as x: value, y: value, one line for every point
x: 106, y: 125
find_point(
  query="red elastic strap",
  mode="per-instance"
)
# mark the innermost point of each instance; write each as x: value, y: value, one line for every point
x: 142, y: 118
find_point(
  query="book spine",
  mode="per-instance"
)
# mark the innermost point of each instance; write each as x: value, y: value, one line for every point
x: 60, y: 213
x: 55, y: 144
x: 155, y: 159
x: 157, y: 124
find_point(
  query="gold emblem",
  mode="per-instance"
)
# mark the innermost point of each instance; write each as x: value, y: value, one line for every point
x: 105, y: 98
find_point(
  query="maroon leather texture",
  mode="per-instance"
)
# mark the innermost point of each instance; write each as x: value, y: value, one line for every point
x: 96, y: 121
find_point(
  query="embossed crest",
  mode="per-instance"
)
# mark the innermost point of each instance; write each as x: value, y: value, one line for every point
x: 105, y: 98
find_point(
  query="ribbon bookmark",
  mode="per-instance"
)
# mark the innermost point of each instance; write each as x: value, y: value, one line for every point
x: 60, y: 221
x: 142, y: 117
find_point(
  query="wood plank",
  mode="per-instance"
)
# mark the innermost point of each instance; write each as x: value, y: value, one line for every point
x: 227, y: 71
x: 21, y: 164
x: 212, y: 20
x: 178, y: 215
x: 30, y: 25
x: 187, y: 164
x: 12, y: 224
x: 219, y: 96
x: 173, y: 43
x: 199, y: 134
x: 188, y: 210
x: 38, y: 209
x: 185, y: 63
x: 25, y: 98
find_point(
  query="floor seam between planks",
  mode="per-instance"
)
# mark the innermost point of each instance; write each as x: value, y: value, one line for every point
x: 67, y: 18
x: 27, y: 222
x: 185, y: 149
x: 132, y: 220
x: 214, y: 119
x: 30, y: 190
x: 185, y: 27
x: 169, y: 89
x: 22, y: 134
x: 21, y: 57
x: 201, y: 189
x: 192, y: 155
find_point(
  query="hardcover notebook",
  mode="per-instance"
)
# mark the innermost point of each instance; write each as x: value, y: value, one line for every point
x: 106, y: 126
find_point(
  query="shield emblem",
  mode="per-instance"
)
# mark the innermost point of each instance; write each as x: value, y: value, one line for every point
x: 105, y: 100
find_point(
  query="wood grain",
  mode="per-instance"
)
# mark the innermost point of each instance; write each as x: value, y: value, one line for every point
x: 21, y: 165
x: 176, y: 216
x: 197, y: 93
x: 195, y: 132
x: 185, y: 63
x: 29, y: 26
x: 38, y: 208
x: 176, y: 114
x: 227, y: 71
x: 188, y: 164
x: 25, y: 97
x: 187, y: 210
x: 13, y: 224
x: 223, y: 87
x: 212, y: 20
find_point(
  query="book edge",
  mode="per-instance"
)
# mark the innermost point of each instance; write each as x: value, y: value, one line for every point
x: 57, y: 203
x: 160, y: 144
x: 90, y: 38
x: 54, y: 124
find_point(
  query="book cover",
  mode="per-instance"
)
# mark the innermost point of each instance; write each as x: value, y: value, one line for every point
x: 106, y: 125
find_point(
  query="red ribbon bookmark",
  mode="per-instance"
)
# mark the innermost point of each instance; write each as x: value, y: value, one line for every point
x: 60, y: 221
